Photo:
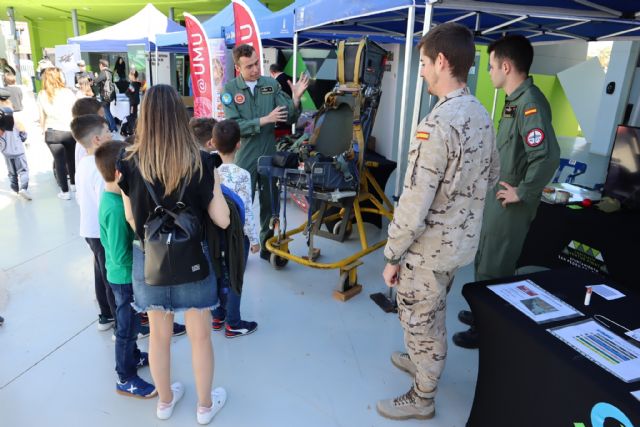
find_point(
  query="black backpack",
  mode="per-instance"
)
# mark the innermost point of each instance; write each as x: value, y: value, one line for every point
x: 173, y: 252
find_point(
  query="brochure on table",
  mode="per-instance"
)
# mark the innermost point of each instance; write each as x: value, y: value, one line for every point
x: 603, y: 347
x: 535, y: 302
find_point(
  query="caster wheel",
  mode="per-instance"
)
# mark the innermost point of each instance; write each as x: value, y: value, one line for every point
x: 278, y: 262
x: 347, y: 232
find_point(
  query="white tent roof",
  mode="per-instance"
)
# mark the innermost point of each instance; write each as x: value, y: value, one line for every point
x: 141, y: 28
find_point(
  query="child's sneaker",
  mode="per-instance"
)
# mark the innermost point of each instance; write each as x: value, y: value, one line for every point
x: 64, y: 196
x: 217, y: 323
x: 178, y: 329
x: 241, y: 329
x: 136, y: 387
x: 143, y: 360
x: 105, y: 323
x: 24, y: 193
x: 144, y: 331
x: 164, y: 410
x: 218, y: 398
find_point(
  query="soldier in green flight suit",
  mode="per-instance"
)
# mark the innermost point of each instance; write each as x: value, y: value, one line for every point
x: 529, y: 156
x: 257, y: 103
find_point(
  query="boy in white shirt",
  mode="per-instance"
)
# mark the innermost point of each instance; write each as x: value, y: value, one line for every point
x: 224, y: 137
x: 91, y: 131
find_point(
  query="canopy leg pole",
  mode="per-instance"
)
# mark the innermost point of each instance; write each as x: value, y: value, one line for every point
x: 295, y: 71
x: 156, y: 59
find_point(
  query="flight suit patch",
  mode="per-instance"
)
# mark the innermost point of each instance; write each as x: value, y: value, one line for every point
x: 510, y: 110
x: 267, y: 89
x: 422, y: 135
x: 534, y: 137
x: 530, y: 111
x: 226, y: 98
x: 239, y: 99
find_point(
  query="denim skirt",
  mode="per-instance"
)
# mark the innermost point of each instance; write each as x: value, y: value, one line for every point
x: 202, y: 294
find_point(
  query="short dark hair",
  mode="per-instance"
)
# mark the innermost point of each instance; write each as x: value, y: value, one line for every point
x: 104, y: 62
x: 226, y: 135
x: 455, y: 42
x: 106, y: 157
x: 85, y: 106
x: 84, y: 127
x: 202, y: 128
x: 515, y: 48
x: 275, y: 68
x: 242, y: 50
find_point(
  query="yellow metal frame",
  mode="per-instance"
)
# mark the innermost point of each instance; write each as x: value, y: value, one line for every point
x: 279, y: 243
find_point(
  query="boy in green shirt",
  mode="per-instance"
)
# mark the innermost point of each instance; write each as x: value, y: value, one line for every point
x: 117, y: 238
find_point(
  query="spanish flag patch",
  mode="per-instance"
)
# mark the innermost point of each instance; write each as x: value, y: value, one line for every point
x: 422, y: 135
x: 530, y: 111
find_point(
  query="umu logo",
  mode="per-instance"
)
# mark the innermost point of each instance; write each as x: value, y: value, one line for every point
x: 601, y: 411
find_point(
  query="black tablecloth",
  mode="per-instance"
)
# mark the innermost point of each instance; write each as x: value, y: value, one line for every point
x: 616, y: 236
x: 528, y: 377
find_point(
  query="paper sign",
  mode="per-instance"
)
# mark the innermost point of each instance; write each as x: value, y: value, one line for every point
x: 607, y: 292
x: 634, y: 334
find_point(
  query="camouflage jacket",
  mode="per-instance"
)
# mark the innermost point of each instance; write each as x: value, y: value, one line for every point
x: 452, y: 163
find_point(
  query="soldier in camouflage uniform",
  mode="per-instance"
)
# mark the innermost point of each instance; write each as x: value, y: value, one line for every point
x: 436, y: 225
x: 257, y: 102
x: 529, y: 156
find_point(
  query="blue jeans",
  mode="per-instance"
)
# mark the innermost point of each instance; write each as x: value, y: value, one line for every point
x: 127, y: 325
x: 106, y: 106
x: 229, y: 307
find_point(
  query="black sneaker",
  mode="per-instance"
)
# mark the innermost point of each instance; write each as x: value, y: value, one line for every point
x: 467, y: 339
x: 265, y: 255
x: 178, y: 329
x: 466, y: 317
x: 105, y: 323
x: 144, y: 331
x: 241, y: 329
x: 1, y: 320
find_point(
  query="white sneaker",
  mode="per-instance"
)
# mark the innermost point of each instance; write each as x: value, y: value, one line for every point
x: 24, y: 193
x: 164, y: 410
x: 64, y: 196
x: 72, y: 188
x: 218, y: 398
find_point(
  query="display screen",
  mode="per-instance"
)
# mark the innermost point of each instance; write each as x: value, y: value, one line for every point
x: 623, y: 179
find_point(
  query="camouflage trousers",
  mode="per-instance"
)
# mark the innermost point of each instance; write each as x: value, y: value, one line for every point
x: 422, y: 302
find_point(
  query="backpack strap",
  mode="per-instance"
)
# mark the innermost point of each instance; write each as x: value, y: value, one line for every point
x: 154, y: 197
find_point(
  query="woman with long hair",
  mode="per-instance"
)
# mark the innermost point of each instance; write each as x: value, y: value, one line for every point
x: 120, y: 68
x: 165, y: 154
x: 55, y: 102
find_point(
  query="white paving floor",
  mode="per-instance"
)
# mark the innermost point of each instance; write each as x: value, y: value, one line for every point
x: 313, y: 360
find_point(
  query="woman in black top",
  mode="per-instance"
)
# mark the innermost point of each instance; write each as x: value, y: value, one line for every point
x: 165, y: 154
x: 120, y: 68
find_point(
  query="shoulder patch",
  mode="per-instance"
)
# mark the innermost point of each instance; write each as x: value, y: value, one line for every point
x: 226, y: 98
x: 239, y: 98
x: 534, y: 137
x: 423, y: 135
x: 530, y: 111
x: 266, y: 89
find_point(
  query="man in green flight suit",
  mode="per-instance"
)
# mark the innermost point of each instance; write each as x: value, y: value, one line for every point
x: 529, y: 156
x: 257, y: 103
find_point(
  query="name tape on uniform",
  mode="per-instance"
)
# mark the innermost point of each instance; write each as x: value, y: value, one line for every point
x: 267, y: 89
x: 534, y: 137
x: 422, y: 135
